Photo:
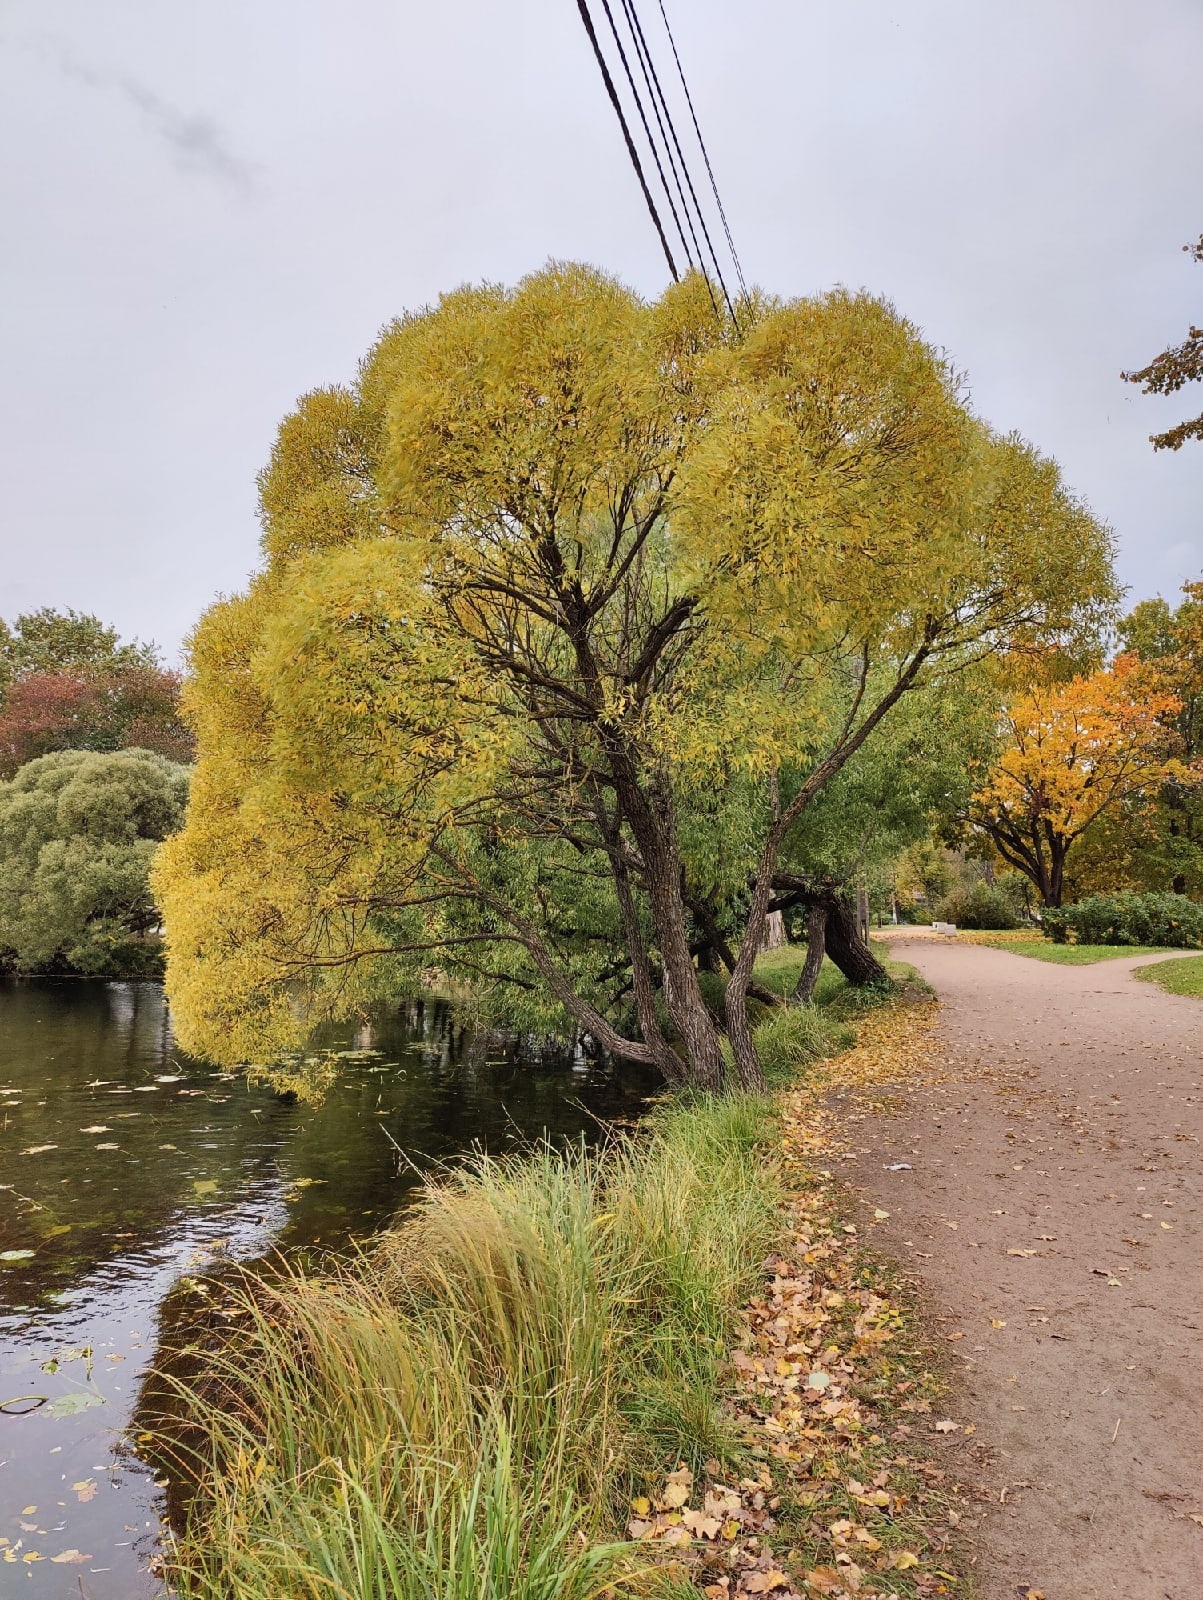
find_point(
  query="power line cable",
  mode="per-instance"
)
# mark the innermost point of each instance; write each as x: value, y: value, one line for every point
x: 657, y: 92
x: 647, y: 71
x: 743, y: 288
x: 626, y: 67
x: 668, y: 136
x: 583, y: 8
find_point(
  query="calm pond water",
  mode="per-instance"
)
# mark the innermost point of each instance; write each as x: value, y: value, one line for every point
x: 125, y: 1166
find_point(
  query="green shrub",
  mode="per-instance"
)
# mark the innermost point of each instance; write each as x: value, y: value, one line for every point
x: 1168, y: 920
x: 78, y: 830
x: 978, y: 905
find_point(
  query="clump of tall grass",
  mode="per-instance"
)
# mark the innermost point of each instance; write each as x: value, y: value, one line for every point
x: 462, y: 1412
x: 791, y: 1040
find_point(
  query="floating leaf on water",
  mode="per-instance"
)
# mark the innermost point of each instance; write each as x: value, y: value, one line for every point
x: 73, y: 1556
x: 70, y: 1405
x: 171, y: 1077
x: 205, y: 1186
x: 96, y: 1127
x: 59, y: 1227
x: 108, y: 1147
x: 85, y: 1489
x: 38, y: 1149
x: 16, y: 1255
x: 169, y: 1147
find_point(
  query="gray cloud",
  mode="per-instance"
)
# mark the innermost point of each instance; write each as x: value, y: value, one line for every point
x: 195, y: 140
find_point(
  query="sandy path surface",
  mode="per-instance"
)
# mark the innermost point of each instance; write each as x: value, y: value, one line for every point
x: 1050, y: 1206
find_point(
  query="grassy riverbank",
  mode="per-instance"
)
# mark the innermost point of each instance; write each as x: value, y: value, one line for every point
x: 563, y: 1375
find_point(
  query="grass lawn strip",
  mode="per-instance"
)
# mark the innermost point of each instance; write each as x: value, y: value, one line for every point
x: 1183, y: 976
x: 832, y: 1388
x: 1069, y: 955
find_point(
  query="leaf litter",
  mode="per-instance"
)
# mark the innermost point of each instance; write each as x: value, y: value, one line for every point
x: 826, y: 1385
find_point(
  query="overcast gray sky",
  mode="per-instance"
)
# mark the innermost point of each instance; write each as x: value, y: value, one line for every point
x: 210, y: 209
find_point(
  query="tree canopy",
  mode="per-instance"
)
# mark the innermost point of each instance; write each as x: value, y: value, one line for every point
x: 1172, y: 370
x: 68, y: 683
x: 78, y: 831
x: 1072, y: 752
x: 1160, y: 845
x: 571, y: 609
x: 49, y: 641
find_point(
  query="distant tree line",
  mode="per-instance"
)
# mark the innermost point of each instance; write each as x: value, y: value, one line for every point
x: 93, y: 763
x: 68, y: 683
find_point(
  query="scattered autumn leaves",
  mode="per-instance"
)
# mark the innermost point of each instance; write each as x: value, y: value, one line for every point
x: 827, y: 1384
x: 15, y: 1551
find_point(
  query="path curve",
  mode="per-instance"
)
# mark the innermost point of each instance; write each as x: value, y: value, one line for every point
x: 1050, y: 1205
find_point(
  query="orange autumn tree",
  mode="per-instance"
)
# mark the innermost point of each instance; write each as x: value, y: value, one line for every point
x: 1071, y: 751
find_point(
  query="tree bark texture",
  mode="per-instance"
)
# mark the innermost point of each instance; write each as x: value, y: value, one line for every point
x: 851, y: 954
x: 654, y: 835
x: 816, y: 948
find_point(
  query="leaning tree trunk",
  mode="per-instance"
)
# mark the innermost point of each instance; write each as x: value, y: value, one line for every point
x: 816, y: 948
x: 847, y: 949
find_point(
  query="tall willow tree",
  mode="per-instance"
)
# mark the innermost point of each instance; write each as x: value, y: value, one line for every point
x: 570, y: 610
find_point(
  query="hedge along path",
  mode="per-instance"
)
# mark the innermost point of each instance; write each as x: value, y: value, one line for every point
x: 1046, y: 1194
x: 831, y: 1391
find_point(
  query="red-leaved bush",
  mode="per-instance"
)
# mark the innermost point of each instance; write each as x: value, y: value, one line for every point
x: 92, y: 708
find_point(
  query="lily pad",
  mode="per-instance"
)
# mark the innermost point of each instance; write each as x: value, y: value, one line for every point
x: 70, y: 1405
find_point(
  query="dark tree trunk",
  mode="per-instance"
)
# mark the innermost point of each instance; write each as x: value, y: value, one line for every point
x: 847, y: 949
x: 655, y: 834
x: 708, y: 960
x: 816, y: 948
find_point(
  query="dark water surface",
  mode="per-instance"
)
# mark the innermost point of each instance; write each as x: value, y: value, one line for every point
x: 125, y: 1166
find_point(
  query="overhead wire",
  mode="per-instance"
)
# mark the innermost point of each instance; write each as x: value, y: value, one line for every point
x: 656, y: 90
x: 660, y: 113
x: 664, y: 144
x: 583, y: 8
x: 655, y: 149
x: 718, y: 200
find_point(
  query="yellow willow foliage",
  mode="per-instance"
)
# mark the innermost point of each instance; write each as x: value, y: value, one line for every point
x: 1074, y: 749
x: 556, y: 539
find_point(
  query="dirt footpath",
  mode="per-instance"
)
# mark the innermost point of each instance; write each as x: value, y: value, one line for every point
x: 1047, y: 1195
